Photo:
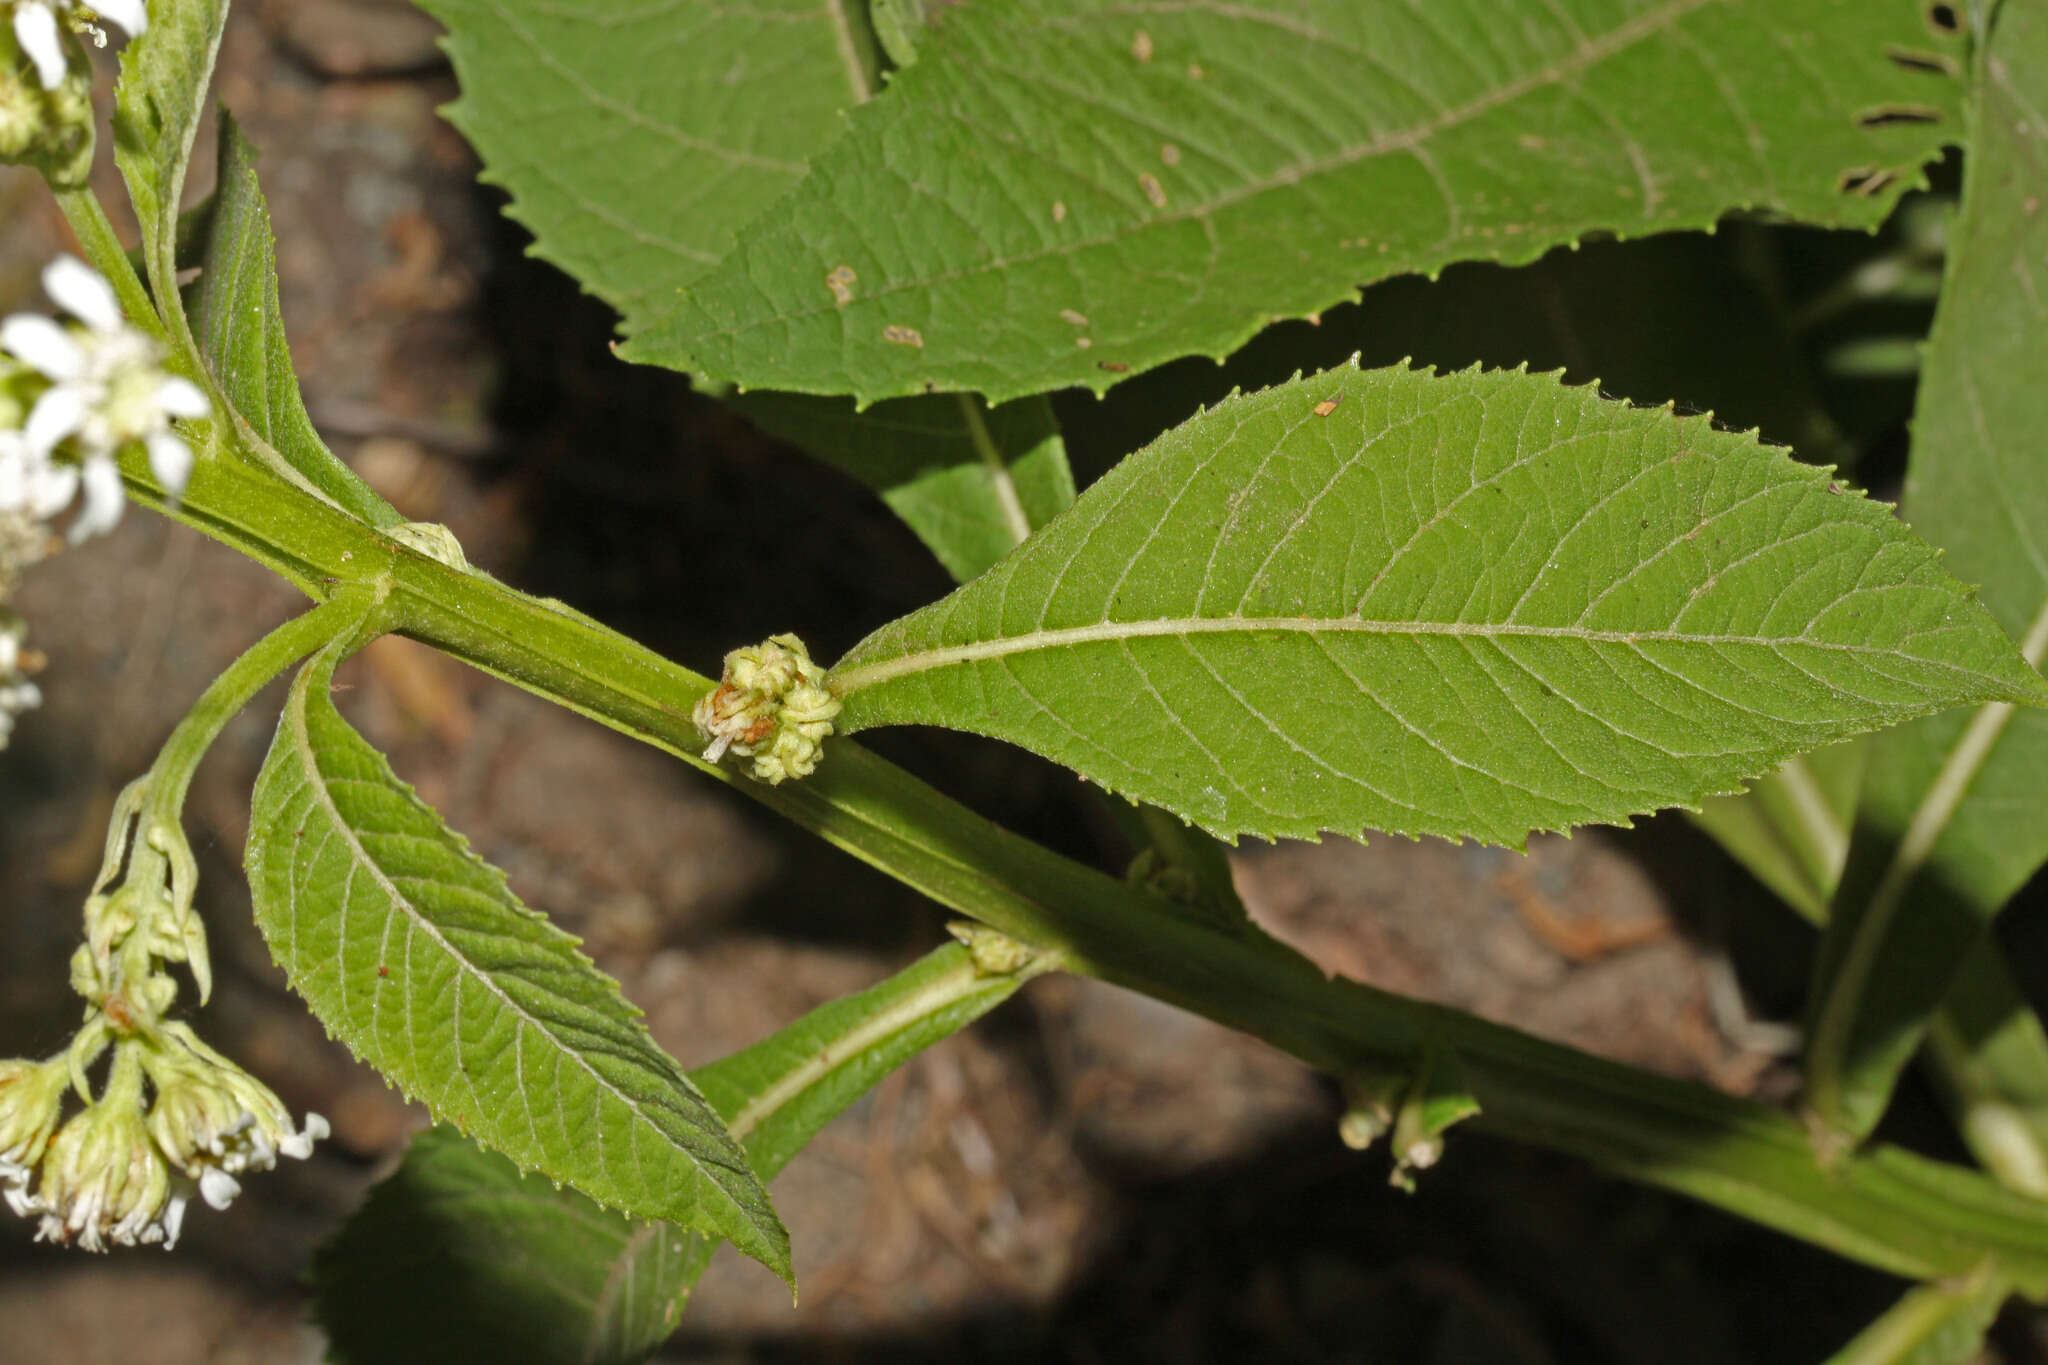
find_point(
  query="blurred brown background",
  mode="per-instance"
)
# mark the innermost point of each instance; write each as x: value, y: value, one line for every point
x: 1087, y: 1176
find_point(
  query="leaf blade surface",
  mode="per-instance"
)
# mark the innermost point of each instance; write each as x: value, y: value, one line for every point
x: 1060, y: 192
x: 416, y: 954
x: 1467, y: 605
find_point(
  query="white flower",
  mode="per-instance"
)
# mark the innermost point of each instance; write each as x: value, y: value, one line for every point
x: 107, y: 389
x: 36, y: 29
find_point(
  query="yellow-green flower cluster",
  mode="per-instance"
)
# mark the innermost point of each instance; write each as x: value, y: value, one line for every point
x: 771, y: 705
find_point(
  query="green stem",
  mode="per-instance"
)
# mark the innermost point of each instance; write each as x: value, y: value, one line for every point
x: 171, y: 774
x: 102, y: 247
x: 1886, y: 1207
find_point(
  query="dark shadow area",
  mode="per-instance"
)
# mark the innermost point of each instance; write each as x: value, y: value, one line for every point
x: 1301, y: 1252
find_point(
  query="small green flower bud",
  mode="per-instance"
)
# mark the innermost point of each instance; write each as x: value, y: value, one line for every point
x: 993, y: 952
x: 771, y: 705
x: 49, y: 129
x: 31, y: 1101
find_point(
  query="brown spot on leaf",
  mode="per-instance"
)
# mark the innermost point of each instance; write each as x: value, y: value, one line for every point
x: 840, y: 280
x: 1141, y: 46
x: 1169, y: 155
x: 1059, y: 210
x: 1328, y: 406
x: 1068, y: 315
x: 1154, y: 191
x: 903, y: 336
x: 1113, y: 366
x: 1942, y: 18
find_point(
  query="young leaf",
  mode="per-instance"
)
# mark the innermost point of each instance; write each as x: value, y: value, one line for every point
x: 1182, y: 175
x: 1791, y: 828
x: 459, y: 1256
x: 1470, y: 605
x: 240, y: 331
x: 1933, y: 1324
x: 972, y: 481
x: 1951, y: 822
x: 636, y: 139
x: 162, y: 92
x: 416, y: 954
x: 1985, y: 1046
x: 1990, y: 1057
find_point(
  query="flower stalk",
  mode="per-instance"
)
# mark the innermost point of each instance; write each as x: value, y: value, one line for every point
x: 173, y: 1116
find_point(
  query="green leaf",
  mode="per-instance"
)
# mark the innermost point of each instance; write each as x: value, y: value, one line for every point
x: 416, y: 954
x: 1791, y: 828
x: 782, y: 1091
x: 1934, y: 1324
x: 637, y: 139
x: 1471, y: 605
x: 636, y: 142
x: 1952, y: 822
x: 1179, y: 176
x: 1991, y: 1062
x: 970, y: 480
x: 239, y: 327
x: 459, y: 1256
x: 162, y: 93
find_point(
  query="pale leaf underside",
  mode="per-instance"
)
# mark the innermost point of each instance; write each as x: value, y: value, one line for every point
x: 1472, y: 605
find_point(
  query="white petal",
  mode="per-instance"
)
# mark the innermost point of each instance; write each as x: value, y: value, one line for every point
x: 132, y: 15
x: 183, y: 398
x: 173, y: 1220
x: 34, y: 340
x: 218, y: 1188
x: 103, y: 502
x: 299, y: 1146
x: 170, y: 459
x: 51, y: 490
x: 82, y: 292
x: 56, y: 415
x: 35, y: 27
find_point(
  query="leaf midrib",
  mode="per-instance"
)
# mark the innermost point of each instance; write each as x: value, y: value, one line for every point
x: 314, y: 780
x: 846, y: 682
x: 1588, y: 54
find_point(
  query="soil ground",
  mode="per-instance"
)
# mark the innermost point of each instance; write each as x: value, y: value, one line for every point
x: 1086, y: 1177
